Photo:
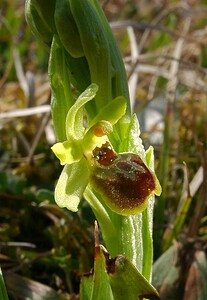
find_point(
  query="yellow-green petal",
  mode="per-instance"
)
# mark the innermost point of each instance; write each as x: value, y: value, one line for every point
x: 71, y: 185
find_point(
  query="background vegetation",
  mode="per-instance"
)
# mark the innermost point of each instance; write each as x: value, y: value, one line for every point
x: 45, y: 249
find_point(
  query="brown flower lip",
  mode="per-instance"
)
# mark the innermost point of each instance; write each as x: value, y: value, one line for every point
x: 123, y: 180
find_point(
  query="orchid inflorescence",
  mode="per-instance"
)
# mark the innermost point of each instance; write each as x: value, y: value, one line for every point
x: 98, y: 140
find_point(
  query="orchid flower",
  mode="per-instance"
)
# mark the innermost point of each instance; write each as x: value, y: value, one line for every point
x: 76, y: 153
x: 123, y: 179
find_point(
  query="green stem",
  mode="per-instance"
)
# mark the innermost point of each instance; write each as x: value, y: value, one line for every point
x: 107, y: 227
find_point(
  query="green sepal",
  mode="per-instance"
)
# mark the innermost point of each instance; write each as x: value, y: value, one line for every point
x: 71, y: 185
x: 67, y: 152
x: 111, y: 112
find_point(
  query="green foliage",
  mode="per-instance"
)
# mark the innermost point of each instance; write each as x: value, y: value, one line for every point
x: 29, y: 289
x: 3, y: 291
x: 59, y: 76
x: 115, y: 279
x: 170, y: 280
x: 85, y: 146
x: 52, y: 246
x: 3, y: 181
x: 203, y: 56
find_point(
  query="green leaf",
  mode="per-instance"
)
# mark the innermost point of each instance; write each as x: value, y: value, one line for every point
x: 25, y: 288
x: 37, y: 24
x: 3, y: 292
x: 203, y: 56
x: 71, y: 185
x: 115, y: 279
x: 62, y: 98
x: 200, y: 264
x: 162, y: 39
x: 86, y: 287
x: 178, y: 223
x: 3, y: 181
x: 166, y: 272
x: 45, y: 195
x: 95, y: 46
x: 46, y: 11
x: 97, y: 286
x: 67, y: 29
x: 119, y: 79
x: 127, y: 283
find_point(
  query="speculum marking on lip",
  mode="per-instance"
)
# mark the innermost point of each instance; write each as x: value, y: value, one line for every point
x: 104, y: 155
